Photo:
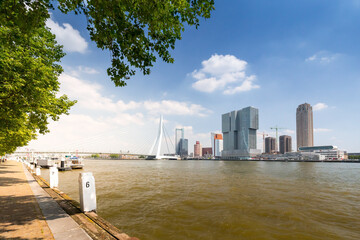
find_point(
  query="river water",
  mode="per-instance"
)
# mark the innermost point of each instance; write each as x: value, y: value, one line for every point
x: 225, y: 200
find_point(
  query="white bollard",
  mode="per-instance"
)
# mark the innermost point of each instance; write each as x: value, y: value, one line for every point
x: 38, y: 171
x: 54, y: 177
x: 31, y: 167
x: 87, y: 192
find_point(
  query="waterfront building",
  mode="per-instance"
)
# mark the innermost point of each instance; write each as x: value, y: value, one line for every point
x: 216, y: 144
x: 197, y: 149
x: 329, y: 152
x: 184, y: 144
x: 285, y: 144
x: 304, y: 126
x: 270, y: 145
x: 207, y: 152
x: 239, y: 133
x: 294, y: 156
x: 179, y: 134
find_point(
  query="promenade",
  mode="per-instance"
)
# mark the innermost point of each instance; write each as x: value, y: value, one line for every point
x: 20, y: 214
x: 28, y: 212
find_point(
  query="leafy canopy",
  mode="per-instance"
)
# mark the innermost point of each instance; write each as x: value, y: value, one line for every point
x: 28, y: 74
x: 134, y: 31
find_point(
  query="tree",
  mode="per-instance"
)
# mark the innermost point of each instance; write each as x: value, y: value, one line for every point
x: 114, y: 156
x: 134, y: 31
x: 28, y: 74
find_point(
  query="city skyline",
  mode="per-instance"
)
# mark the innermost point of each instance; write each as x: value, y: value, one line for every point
x: 259, y: 57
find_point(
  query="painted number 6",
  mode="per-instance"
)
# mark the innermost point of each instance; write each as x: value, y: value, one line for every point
x: 87, y: 184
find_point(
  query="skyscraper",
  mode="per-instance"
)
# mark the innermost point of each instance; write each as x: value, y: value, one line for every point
x: 179, y: 134
x: 285, y: 144
x: 304, y: 126
x: 197, y: 149
x: 216, y: 144
x: 270, y: 145
x: 184, y: 146
x: 239, y: 133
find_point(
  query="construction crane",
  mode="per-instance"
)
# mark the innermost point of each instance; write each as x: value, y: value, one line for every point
x: 263, y: 135
x: 276, y: 140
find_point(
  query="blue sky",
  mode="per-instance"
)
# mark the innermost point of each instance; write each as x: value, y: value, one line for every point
x: 273, y: 55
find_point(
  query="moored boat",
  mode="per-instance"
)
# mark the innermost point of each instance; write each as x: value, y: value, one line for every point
x: 65, y: 165
x: 76, y: 162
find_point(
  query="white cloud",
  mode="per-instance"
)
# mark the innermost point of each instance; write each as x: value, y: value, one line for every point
x: 67, y: 36
x: 111, y: 124
x: 223, y: 71
x: 82, y: 69
x: 246, y: 85
x: 318, y: 130
x: 126, y: 119
x: 322, y: 57
x: 89, y: 97
x: 171, y: 107
x: 320, y: 106
x: 87, y: 94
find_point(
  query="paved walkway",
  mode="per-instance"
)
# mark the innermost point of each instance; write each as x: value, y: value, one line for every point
x: 20, y: 215
x: 28, y: 212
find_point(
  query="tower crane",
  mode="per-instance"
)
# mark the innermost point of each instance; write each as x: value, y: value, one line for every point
x: 263, y: 135
x: 276, y: 140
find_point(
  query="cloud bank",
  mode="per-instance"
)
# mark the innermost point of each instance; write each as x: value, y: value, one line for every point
x: 67, y: 36
x: 224, y: 73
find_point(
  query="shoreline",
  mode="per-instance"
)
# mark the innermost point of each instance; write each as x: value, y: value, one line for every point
x: 237, y: 160
x: 94, y: 225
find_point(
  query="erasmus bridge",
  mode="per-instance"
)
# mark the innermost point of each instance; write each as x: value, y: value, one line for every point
x: 157, y: 150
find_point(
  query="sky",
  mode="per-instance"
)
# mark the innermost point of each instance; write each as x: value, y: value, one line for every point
x: 272, y: 55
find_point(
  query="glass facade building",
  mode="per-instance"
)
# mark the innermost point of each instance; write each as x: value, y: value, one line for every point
x: 179, y: 134
x: 184, y: 147
x: 239, y: 133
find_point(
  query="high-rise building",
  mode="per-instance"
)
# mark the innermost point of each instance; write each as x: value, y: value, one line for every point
x: 270, y: 143
x: 239, y: 133
x: 197, y: 149
x: 184, y: 146
x: 285, y: 144
x: 179, y: 134
x: 216, y: 144
x: 304, y: 126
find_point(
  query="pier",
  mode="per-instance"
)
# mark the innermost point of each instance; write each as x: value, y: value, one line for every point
x: 32, y: 210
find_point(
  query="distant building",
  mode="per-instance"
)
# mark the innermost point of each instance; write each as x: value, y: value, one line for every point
x: 207, y: 152
x: 184, y: 147
x: 239, y: 133
x: 285, y: 144
x: 304, y: 126
x: 329, y: 152
x: 270, y: 145
x: 216, y: 144
x: 179, y: 134
x: 197, y: 149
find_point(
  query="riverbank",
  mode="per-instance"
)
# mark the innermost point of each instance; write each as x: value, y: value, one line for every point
x: 244, y: 160
x: 32, y: 210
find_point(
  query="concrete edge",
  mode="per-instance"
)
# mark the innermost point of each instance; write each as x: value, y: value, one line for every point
x: 91, y: 222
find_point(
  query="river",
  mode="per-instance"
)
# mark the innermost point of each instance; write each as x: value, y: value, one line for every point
x: 227, y: 200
